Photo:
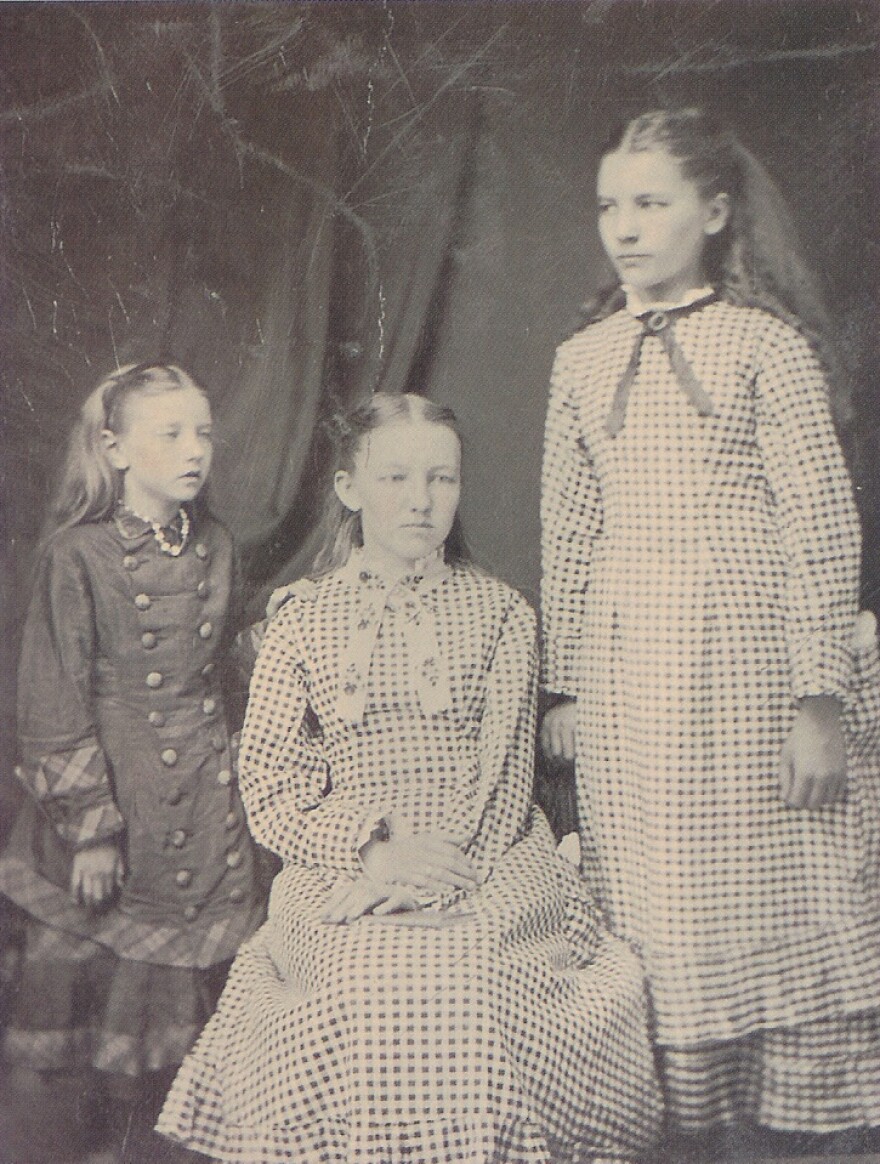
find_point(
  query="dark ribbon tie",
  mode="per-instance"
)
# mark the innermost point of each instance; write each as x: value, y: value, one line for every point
x: 660, y: 324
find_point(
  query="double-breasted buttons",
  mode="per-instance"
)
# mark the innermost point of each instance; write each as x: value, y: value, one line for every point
x: 155, y: 679
x: 218, y: 743
x: 143, y: 601
x: 148, y: 640
x: 130, y: 562
x: 209, y: 705
x: 183, y: 877
x: 233, y: 859
x: 206, y: 630
x: 236, y: 894
x: 157, y: 718
x: 224, y: 777
x: 203, y: 589
x: 207, y: 670
x: 191, y: 913
x: 178, y: 838
x: 175, y: 796
x: 231, y: 820
x: 202, y: 551
x: 169, y: 757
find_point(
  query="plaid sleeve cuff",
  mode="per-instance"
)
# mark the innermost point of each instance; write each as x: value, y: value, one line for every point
x: 73, y: 789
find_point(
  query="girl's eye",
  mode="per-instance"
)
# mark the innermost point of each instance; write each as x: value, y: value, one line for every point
x: 603, y: 206
x: 652, y: 202
x: 445, y: 478
x: 206, y: 435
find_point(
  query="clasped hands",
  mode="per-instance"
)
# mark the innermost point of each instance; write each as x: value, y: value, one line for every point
x: 812, y: 771
x: 428, y: 862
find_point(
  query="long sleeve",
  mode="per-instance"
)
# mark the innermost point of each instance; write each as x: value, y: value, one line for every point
x: 506, y: 745
x: 571, y: 517
x: 283, y: 771
x: 815, y: 512
x: 63, y: 764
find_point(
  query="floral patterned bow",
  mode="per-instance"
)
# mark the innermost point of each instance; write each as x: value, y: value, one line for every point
x: 402, y: 598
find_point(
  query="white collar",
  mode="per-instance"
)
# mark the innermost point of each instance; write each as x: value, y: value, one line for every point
x: 358, y: 569
x: 402, y: 600
x: 636, y: 305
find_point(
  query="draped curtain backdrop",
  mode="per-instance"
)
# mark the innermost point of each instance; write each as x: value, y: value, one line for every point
x: 305, y: 202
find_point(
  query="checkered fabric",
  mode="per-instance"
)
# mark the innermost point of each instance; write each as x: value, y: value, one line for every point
x: 499, y: 1025
x: 700, y: 575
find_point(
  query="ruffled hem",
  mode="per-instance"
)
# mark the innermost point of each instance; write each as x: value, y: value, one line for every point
x: 819, y: 1079
x: 819, y: 975
x: 193, y: 1116
x: 211, y: 938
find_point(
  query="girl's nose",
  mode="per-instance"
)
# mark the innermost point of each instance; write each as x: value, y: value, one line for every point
x: 420, y: 495
x: 626, y: 225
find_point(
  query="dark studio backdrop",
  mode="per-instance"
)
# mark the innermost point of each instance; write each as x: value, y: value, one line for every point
x: 304, y: 202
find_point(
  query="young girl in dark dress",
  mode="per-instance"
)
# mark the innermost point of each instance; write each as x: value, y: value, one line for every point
x: 131, y: 858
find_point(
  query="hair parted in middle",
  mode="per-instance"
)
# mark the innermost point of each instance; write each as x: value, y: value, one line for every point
x: 757, y: 259
x: 341, y: 527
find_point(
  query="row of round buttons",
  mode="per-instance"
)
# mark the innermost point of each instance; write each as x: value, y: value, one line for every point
x: 159, y: 719
x: 184, y: 877
x: 145, y: 602
x: 236, y: 895
x: 155, y: 679
x: 130, y: 562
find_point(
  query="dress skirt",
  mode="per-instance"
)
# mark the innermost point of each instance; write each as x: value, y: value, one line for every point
x: 471, y: 1035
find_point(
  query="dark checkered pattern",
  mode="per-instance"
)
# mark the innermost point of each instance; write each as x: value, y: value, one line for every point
x: 499, y: 1025
x: 700, y: 574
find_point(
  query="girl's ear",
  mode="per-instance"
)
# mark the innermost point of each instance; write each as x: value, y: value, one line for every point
x: 717, y: 214
x: 113, y: 450
x: 346, y: 490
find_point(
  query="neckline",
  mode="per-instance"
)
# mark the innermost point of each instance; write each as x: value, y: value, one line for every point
x: 134, y: 525
x: 637, y: 306
x: 358, y: 572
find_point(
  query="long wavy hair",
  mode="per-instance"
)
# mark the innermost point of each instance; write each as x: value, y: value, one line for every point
x: 88, y: 486
x: 341, y: 527
x: 757, y: 259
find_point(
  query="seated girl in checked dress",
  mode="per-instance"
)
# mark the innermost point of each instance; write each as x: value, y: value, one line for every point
x: 431, y: 984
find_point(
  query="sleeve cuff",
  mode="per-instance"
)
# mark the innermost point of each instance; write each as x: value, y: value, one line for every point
x: 374, y: 829
x: 821, y: 667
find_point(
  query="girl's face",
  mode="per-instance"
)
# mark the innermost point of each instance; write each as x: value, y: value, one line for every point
x: 655, y: 223
x: 406, y: 484
x: 164, y: 450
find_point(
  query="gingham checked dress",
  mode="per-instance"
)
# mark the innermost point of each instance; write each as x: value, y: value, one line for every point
x: 700, y: 575
x: 497, y: 1025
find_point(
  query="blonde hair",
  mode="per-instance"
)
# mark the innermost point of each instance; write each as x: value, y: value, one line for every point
x: 341, y: 527
x: 88, y: 486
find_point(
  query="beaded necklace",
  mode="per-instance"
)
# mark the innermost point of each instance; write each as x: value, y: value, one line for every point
x: 158, y: 529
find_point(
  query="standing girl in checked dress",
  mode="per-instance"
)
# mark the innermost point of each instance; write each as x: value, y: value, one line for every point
x: 131, y: 858
x: 701, y: 570
x: 430, y: 984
